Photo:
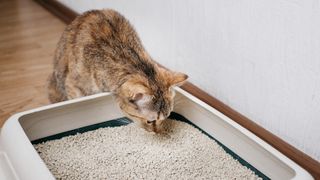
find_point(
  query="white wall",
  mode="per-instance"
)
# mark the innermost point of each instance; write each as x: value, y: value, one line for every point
x: 261, y: 57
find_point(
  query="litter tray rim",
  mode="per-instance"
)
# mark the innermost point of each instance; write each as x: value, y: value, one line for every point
x: 13, y: 123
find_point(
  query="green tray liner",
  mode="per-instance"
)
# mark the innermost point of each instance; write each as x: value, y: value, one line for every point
x: 124, y: 121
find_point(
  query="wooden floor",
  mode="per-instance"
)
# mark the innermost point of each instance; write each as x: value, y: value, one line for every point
x: 28, y: 36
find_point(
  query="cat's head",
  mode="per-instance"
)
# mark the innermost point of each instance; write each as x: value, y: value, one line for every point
x: 149, y: 101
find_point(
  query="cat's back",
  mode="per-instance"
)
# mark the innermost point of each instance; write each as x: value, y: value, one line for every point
x: 94, y: 35
x: 100, y: 26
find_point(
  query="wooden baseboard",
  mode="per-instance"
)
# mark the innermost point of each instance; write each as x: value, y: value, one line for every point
x: 61, y: 11
x: 311, y: 165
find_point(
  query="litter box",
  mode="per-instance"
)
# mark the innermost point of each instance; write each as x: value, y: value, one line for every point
x: 19, y: 159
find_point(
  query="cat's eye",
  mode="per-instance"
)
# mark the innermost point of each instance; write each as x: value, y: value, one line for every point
x: 149, y: 122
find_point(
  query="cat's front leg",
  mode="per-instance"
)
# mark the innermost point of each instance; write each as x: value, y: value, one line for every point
x: 73, y: 91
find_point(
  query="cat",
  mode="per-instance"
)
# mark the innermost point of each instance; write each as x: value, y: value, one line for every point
x: 101, y: 52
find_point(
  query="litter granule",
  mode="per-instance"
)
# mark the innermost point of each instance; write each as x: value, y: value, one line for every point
x: 130, y: 152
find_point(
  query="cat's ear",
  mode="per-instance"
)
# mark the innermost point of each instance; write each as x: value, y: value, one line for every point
x: 173, y: 78
x: 140, y: 99
x: 138, y: 94
x: 178, y: 79
x: 134, y: 91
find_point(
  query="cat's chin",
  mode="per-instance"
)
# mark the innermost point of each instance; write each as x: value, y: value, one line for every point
x: 153, y: 128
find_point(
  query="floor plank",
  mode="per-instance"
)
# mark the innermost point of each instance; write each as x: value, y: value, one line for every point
x: 28, y: 36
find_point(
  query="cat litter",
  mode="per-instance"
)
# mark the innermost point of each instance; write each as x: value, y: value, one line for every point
x: 130, y: 152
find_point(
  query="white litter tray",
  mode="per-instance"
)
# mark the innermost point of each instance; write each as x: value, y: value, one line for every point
x: 19, y: 160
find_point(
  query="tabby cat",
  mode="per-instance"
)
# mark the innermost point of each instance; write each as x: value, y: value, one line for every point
x: 101, y: 52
